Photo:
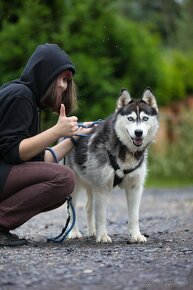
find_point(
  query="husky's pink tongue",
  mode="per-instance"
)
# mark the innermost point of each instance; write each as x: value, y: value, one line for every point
x: 137, y: 142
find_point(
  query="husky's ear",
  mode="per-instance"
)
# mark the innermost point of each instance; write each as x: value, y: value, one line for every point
x: 123, y: 100
x: 149, y: 98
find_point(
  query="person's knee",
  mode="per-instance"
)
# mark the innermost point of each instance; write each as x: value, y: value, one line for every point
x: 66, y: 179
x: 70, y: 181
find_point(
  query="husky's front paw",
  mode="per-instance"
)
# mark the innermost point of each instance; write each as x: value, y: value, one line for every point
x: 75, y: 234
x: 92, y: 232
x: 138, y: 238
x: 104, y: 238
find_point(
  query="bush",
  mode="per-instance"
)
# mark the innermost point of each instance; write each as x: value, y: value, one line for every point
x: 175, y: 77
x: 118, y: 54
x: 110, y: 52
x: 176, y: 163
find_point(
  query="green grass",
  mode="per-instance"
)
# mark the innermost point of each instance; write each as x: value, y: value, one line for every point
x: 167, y: 182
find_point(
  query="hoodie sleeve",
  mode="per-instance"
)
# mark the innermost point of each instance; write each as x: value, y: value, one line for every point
x: 14, y: 127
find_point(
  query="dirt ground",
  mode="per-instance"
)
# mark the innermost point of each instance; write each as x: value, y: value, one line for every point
x: 164, y: 262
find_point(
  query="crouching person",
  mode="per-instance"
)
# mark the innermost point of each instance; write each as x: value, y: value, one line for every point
x: 31, y: 181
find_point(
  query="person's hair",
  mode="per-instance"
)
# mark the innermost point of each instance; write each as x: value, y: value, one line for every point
x: 53, y: 101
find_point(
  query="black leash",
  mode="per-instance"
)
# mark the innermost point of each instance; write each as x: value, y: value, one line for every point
x: 88, y: 126
x: 61, y: 237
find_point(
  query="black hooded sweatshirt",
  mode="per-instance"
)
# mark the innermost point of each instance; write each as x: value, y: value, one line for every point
x: 20, y: 101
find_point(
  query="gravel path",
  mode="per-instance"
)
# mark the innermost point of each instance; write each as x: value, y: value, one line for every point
x: 164, y: 262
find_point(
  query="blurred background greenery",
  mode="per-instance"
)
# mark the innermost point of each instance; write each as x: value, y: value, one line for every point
x: 116, y: 44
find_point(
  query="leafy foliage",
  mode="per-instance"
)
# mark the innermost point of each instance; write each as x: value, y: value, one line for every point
x: 114, y: 44
x: 177, y: 159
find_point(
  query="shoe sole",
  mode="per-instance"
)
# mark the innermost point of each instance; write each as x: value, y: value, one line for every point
x: 14, y: 243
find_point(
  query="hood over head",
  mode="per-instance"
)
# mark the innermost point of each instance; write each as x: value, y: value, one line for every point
x: 45, y: 64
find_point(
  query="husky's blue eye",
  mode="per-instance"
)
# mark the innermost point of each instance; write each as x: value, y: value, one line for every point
x: 130, y: 119
x: 145, y: 118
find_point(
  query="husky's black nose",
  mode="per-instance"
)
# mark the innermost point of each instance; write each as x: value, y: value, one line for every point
x: 138, y: 133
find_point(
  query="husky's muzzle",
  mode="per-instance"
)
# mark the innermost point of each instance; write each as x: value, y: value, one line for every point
x: 138, y: 138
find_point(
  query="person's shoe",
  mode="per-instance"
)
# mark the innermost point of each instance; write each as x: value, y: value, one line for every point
x: 11, y: 240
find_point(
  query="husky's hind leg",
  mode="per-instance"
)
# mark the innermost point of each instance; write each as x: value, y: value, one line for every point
x: 100, y: 218
x: 90, y: 212
x: 75, y: 233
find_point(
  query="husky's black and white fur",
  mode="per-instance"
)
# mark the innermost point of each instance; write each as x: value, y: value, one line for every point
x: 115, y: 154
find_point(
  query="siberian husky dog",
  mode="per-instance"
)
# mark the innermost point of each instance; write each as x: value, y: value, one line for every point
x: 115, y: 154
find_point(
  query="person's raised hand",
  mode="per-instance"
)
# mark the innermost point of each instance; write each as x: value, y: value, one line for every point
x: 66, y: 126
